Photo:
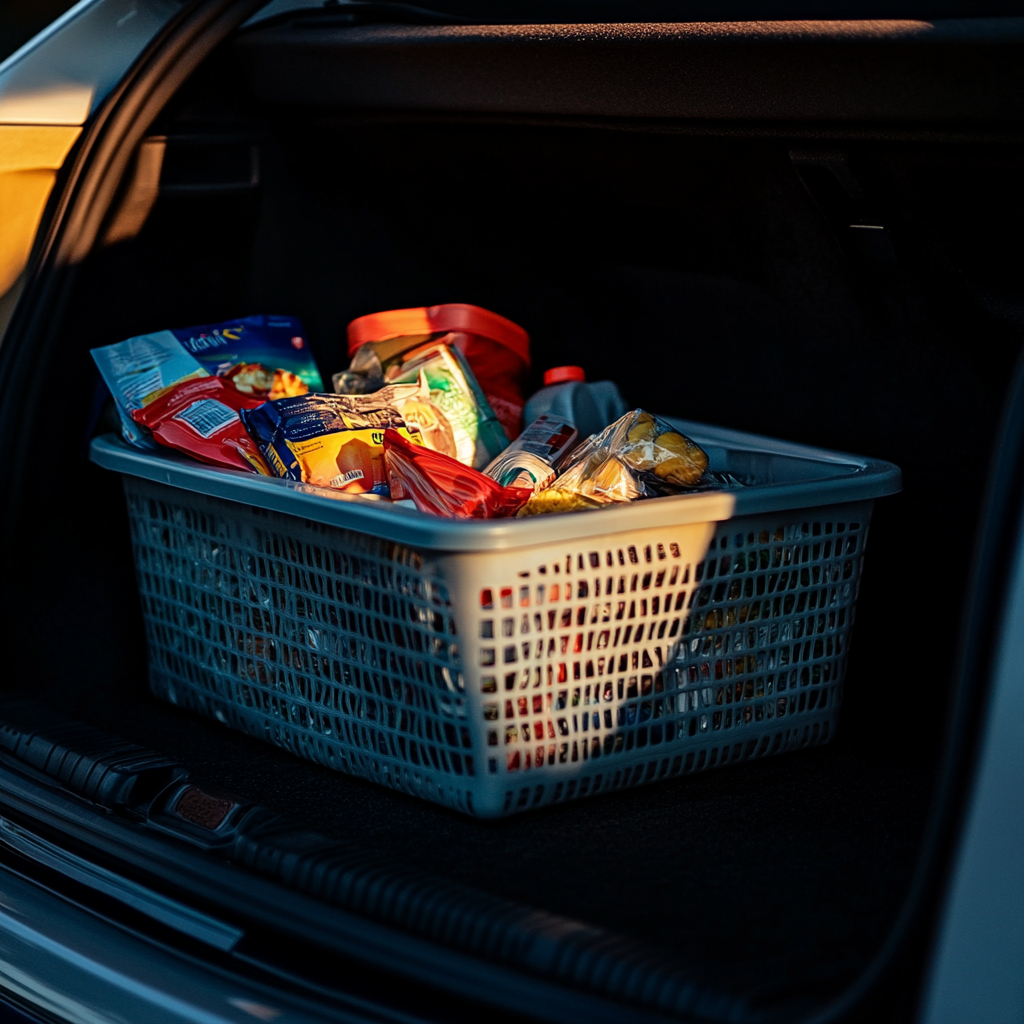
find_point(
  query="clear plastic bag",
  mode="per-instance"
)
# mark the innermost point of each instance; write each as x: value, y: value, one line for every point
x: 638, y: 456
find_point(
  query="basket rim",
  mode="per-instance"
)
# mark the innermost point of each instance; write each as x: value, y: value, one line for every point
x: 819, y: 477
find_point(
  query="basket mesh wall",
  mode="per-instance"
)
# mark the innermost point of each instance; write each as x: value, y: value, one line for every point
x: 605, y: 667
x: 628, y: 662
x: 332, y: 644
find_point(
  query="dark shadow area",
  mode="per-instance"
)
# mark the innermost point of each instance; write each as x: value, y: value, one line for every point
x: 702, y: 276
x: 20, y: 20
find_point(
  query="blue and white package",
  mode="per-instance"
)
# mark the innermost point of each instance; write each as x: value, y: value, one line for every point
x: 138, y: 369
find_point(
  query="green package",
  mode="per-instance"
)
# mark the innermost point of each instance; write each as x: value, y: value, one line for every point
x: 451, y: 412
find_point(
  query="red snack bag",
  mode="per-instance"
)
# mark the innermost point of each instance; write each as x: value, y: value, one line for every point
x: 497, y: 350
x: 200, y: 417
x: 440, y: 484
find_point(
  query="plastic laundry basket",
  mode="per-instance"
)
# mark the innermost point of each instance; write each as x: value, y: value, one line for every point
x: 498, y: 666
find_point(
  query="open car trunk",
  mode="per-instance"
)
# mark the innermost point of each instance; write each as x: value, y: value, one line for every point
x: 852, y: 283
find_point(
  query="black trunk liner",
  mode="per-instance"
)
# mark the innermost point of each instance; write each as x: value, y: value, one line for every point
x: 767, y: 879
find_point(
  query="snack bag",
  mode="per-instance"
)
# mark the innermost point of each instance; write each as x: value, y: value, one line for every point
x: 265, y: 356
x: 139, y: 368
x: 439, y: 484
x: 200, y: 417
x: 329, y: 440
x: 275, y: 342
x: 497, y: 350
x: 451, y: 411
x: 638, y: 456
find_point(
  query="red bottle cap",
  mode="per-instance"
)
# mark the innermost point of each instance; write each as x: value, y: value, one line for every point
x: 561, y: 374
x: 454, y: 316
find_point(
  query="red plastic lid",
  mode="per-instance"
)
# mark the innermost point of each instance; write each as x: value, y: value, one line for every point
x: 561, y: 374
x: 454, y: 316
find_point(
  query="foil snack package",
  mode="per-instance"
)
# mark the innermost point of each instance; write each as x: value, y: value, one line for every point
x: 200, y: 417
x: 329, y: 440
x: 638, y: 456
x: 450, y: 411
x: 496, y: 349
x: 277, y: 342
x: 443, y: 486
x: 264, y: 356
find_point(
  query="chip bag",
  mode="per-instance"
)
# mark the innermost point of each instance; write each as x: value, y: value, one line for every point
x: 496, y: 349
x: 450, y: 410
x: 140, y: 368
x: 439, y: 484
x: 200, y: 417
x: 329, y: 440
x: 638, y: 456
x: 264, y: 356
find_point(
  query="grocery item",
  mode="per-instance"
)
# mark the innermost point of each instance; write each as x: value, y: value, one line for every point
x: 138, y: 368
x: 534, y: 457
x: 262, y: 382
x: 200, y: 417
x: 449, y: 408
x: 638, y: 456
x: 439, y: 484
x: 278, y: 342
x: 588, y: 406
x: 329, y: 440
x: 497, y: 350
x: 265, y: 356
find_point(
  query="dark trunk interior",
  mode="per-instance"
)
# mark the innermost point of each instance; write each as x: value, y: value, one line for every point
x: 714, y: 275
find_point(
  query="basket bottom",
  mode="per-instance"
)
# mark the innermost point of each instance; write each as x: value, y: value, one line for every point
x: 490, y: 797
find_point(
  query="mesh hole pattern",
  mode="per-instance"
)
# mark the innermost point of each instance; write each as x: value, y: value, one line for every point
x: 334, y: 645
x: 608, y: 665
x: 631, y: 654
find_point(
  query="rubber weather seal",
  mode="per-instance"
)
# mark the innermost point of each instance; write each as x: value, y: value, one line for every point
x: 910, y: 940
x: 152, y: 827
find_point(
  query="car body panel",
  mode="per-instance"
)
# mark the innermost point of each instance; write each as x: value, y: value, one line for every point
x: 48, y: 90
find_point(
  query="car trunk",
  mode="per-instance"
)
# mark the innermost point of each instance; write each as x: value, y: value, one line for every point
x: 849, y: 284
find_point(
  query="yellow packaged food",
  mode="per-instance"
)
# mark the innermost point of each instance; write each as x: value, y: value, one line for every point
x: 331, y: 440
x: 638, y: 456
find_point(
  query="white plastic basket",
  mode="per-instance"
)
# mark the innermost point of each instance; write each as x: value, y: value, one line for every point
x: 498, y: 666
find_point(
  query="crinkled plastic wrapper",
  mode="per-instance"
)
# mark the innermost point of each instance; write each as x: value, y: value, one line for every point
x: 263, y: 356
x: 330, y: 440
x: 532, y: 460
x: 496, y: 349
x: 638, y: 456
x: 201, y: 418
x: 441, y: 485
x: 449, y: 409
